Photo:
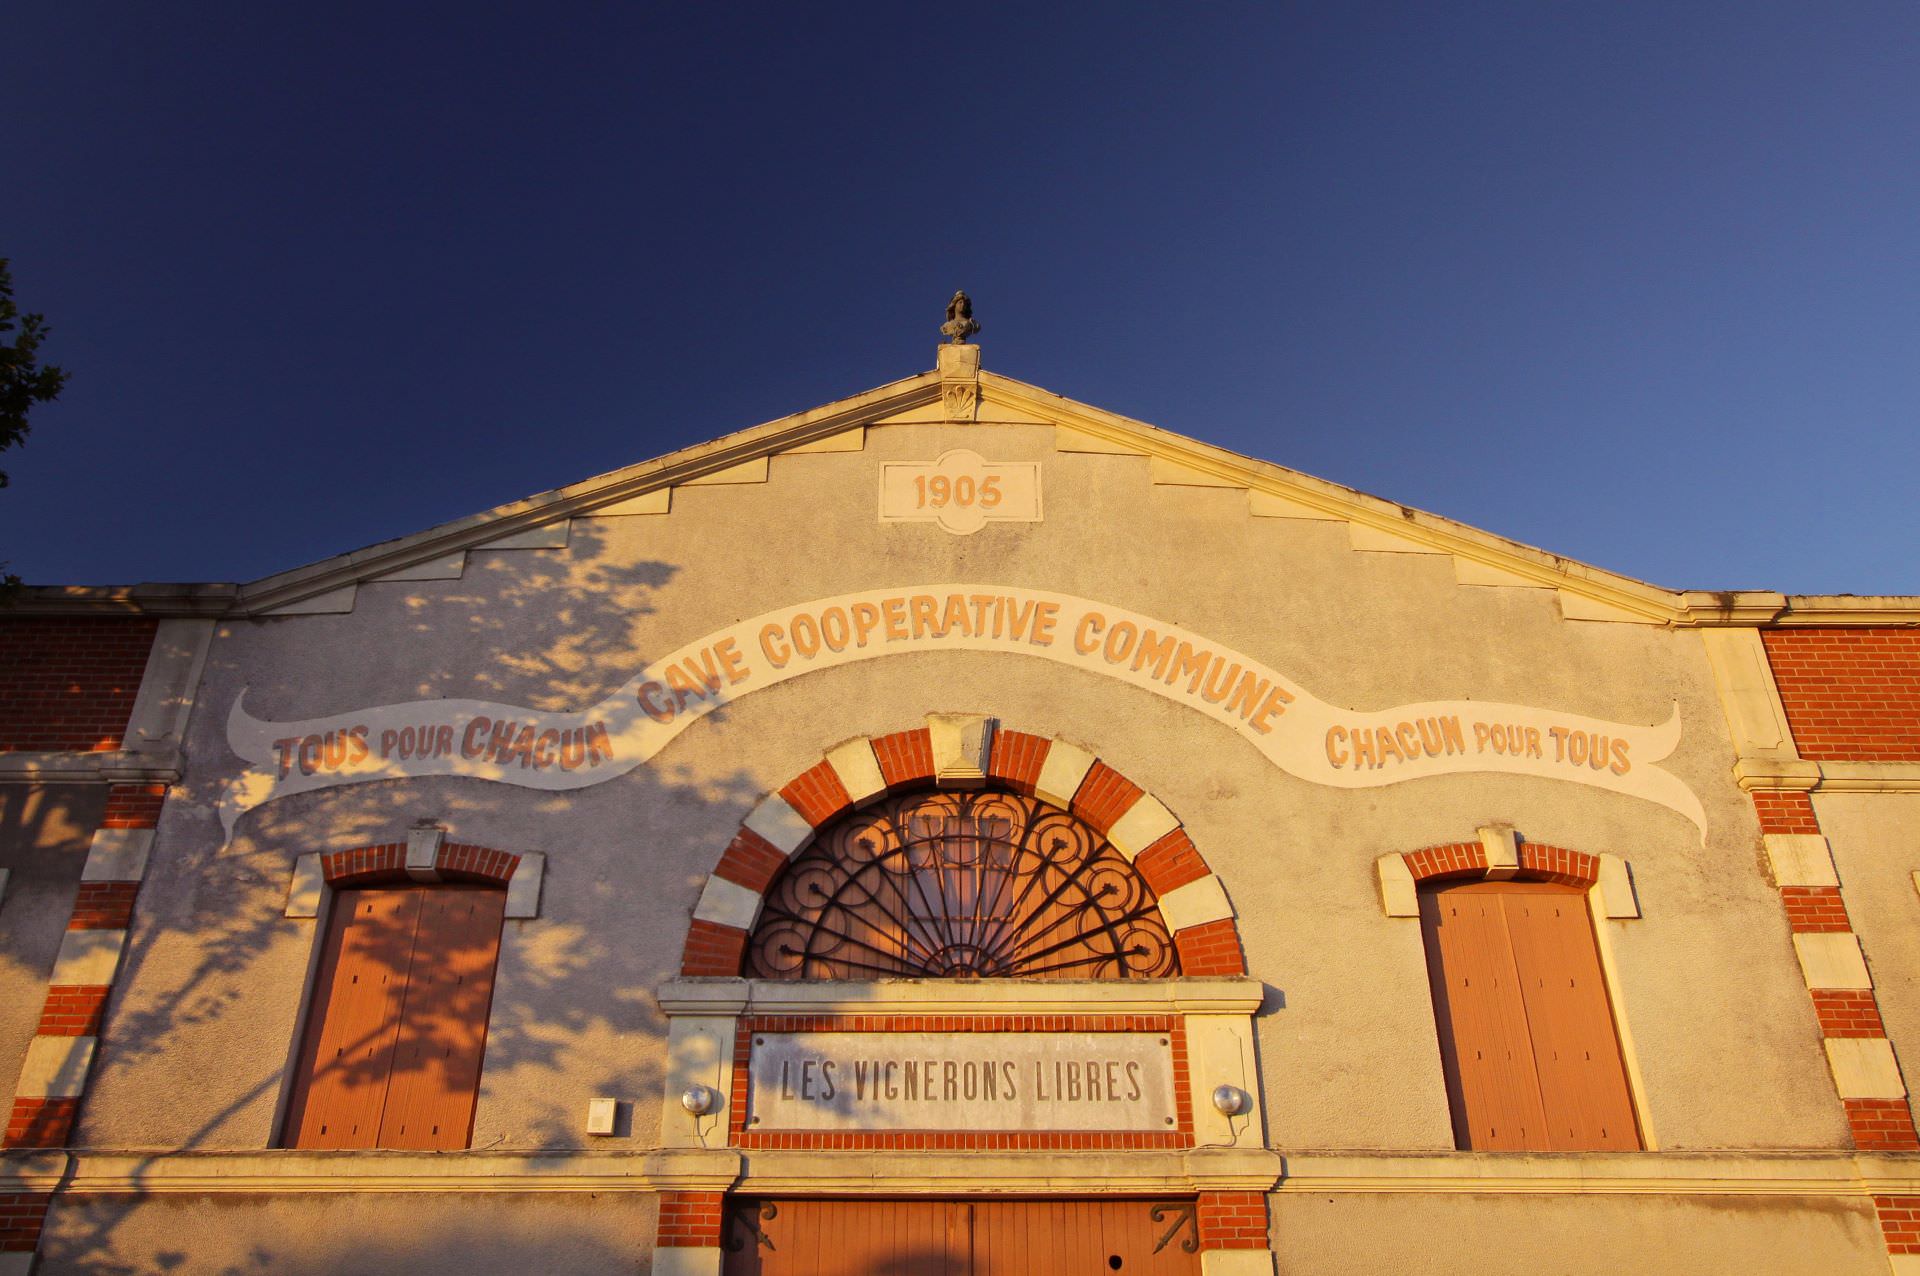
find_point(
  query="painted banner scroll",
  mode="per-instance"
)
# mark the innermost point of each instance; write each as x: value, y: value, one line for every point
x: 1304, y: 736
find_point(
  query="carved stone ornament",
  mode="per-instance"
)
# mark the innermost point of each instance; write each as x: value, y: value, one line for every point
x: 960, y: 398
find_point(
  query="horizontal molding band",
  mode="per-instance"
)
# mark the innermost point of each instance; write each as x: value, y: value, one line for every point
x: 732, y: 996
x: 293, y: 1171
x: 113, y: 766
x: 1836, y: 1174
x: 1603, y: 1174
x: 1869, y: 777
x: 934, y: 1173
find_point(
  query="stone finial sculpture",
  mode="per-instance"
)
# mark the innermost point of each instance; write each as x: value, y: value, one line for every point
x: 960, y: 322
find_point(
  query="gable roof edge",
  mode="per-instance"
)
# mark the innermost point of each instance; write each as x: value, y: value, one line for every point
x: 1662, y: 606
x: 282, y: 589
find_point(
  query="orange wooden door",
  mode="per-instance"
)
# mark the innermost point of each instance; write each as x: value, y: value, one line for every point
x: 1527, y: 1039
x: 353, y: 1020
x: 397, y: 1027
x: 960, y: 1238
x: 1017, y: 1238
x: 443, y: 1022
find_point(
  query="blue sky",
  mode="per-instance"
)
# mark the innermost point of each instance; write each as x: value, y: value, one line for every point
x: 1635, y: 283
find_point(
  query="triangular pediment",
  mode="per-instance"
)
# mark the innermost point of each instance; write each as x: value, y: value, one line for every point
x: 1374, y: 526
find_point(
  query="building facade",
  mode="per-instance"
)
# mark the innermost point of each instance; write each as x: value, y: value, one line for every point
x: 958, y: 829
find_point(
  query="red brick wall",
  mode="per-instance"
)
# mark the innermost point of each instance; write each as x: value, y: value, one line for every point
x: 1211, y: 948
x: 67, y: 683
x: 1851, y: 695
x: 21, y: 1214
x: 690, y: 1219
x: 1233, y: 1220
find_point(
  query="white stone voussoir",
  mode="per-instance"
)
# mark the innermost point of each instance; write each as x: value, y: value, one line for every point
x: 961, y: 744
x: 1143, y: 824
x: 1061, y: 774
x: 1617, y: 899
x: 858, y: 769
x: 308, y: 887
x: 1399, y: 893
x: 727, y: 903
x: 423, y: 851
x: 523, y: 888
x: 1503, y: 851
x: 779, y: 824
x: 1198, y: 902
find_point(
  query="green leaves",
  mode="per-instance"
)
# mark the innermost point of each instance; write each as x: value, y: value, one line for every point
x: 23, y: 382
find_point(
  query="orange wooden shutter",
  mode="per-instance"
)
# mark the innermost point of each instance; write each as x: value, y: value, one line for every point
x: 1526, y: 1032
x: 1576, y: 1051
x: 443, y: 1025
x: 1482, y: 1017
x: 354, y: 1019
x: 398, y: 1023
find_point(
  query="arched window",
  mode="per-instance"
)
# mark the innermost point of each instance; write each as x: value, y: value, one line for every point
x: 970, y: 884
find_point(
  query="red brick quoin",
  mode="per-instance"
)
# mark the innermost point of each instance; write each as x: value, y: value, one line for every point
x: 40, y: 1123
x: 1016, y: 760
x: 1877, y: 1125
x: 1233, y: 1220
x: 690, y: 1220
x: 21, y: 1214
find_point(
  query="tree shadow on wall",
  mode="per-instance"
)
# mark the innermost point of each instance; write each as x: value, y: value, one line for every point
x: 571, y: 1013
x: 589, y: 1233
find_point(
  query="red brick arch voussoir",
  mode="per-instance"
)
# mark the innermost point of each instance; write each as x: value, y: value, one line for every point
x: 1192, y: 900
x: 1538, y: 862
x: 386, y: 863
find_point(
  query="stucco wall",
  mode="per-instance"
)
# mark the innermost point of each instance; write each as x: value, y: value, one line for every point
x: 199, y: 1040
x: 482, y: 1234
x: 44, y: 835
x: 1416, y: 1235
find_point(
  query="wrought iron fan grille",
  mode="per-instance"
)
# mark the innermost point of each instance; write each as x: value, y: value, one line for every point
x: 960, y: 885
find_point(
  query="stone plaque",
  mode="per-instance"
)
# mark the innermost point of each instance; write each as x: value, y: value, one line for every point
x: 1070, y: 1081
x: 962, y: 491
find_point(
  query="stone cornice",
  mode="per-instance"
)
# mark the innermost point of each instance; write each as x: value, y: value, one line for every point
x: 1762, y: 607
